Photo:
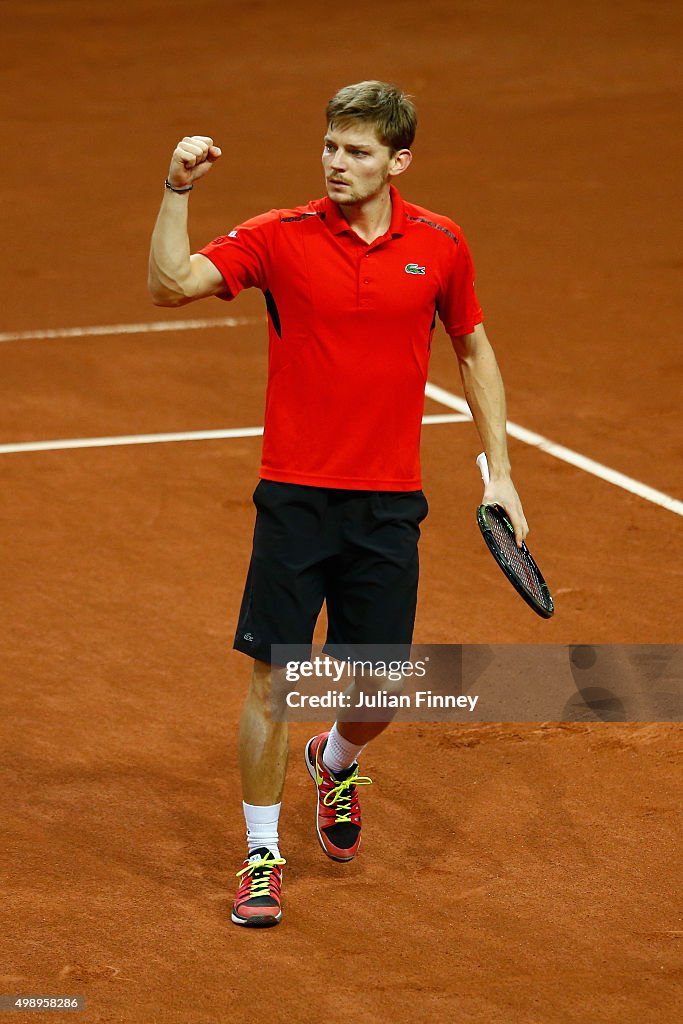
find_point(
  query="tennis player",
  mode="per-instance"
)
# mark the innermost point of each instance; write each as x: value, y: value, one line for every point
x: 353, y: 283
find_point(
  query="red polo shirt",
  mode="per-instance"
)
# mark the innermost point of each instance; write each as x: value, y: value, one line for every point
x: 350, y: 329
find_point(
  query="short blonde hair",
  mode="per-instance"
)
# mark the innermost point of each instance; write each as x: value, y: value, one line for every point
x: 390, y: 111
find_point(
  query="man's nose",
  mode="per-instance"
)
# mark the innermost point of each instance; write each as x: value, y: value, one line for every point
x: 338, y: 161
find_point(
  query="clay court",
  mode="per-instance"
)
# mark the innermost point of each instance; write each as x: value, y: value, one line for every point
x: 510, y: 874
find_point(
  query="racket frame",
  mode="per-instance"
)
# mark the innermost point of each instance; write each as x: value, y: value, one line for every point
x: 545, y: 609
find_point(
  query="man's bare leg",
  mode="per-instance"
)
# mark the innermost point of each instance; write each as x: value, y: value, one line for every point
x: 361, y: 732
x: 263, y: 742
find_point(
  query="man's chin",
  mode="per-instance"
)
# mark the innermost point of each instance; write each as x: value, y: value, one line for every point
x: 341, y: 196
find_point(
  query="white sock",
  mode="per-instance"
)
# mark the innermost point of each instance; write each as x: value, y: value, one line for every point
x: 339, y: 753
x: 262, y: 823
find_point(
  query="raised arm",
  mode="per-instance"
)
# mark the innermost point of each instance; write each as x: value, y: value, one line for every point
x: 175, y: 276
x: 485, y: 396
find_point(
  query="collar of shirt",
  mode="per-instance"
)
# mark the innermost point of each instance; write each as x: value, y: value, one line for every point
x: 338, y: 223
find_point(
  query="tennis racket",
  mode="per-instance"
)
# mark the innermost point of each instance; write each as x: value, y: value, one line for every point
x: 516, y: 563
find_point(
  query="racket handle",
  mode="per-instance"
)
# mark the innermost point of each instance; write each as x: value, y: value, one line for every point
x: 483, y: 467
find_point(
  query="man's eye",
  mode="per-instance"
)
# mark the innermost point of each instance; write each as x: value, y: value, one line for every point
x: 328, y: 147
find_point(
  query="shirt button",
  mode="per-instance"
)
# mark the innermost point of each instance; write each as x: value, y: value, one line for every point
x: 366, y: 281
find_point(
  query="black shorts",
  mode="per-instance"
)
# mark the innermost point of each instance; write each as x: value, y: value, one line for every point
x: 356, y: 550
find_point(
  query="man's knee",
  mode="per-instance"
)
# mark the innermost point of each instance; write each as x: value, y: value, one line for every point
x: 261, y: 686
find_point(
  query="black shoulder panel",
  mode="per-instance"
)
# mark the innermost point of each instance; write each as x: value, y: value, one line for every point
x: 433, y: 224
x: 301, y: 216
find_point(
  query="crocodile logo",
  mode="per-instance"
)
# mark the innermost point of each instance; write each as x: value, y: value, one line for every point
x: 414, y: 268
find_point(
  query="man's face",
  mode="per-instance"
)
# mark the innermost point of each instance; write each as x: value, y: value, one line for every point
x: 357, y: 165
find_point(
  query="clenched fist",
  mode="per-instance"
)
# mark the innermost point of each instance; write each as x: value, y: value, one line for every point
x: 192, y: 158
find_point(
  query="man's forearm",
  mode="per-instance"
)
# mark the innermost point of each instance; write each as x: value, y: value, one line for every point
x: 174, y: 277
x: 169, y: 255
x: 485, y: 396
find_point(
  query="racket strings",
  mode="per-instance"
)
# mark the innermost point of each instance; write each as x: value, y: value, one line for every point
x: 516, y: 563
x: 517, y: 558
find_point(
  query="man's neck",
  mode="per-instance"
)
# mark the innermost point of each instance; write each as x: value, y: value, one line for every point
x: 370, y: 219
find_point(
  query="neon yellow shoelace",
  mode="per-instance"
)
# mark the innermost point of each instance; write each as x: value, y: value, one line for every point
x: 261, y: 886
x: 341, y: 795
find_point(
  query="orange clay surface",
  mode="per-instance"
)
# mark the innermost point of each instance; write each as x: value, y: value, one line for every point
x: 509, y: 874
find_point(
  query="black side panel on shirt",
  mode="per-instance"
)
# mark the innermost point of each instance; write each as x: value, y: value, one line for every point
x: 273, y: 312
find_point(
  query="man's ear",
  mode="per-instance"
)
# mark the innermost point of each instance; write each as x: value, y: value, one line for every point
x: 400, y: 162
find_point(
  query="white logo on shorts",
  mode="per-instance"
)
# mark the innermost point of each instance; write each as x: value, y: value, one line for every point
x: 249, y: 637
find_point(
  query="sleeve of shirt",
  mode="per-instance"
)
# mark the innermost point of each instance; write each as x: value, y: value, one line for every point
x: 245, y: 255
x: 459, y: 308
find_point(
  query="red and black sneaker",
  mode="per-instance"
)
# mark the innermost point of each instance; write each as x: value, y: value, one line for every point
x: 337, y: 821
x: 257, y: 903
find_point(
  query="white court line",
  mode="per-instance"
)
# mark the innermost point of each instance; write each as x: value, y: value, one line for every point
x: 544, y: 444
x: 187, y: 435
x: 447, y: 417
x: 125, y: 439
x: 432, y: 391
x: 158, y: 326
